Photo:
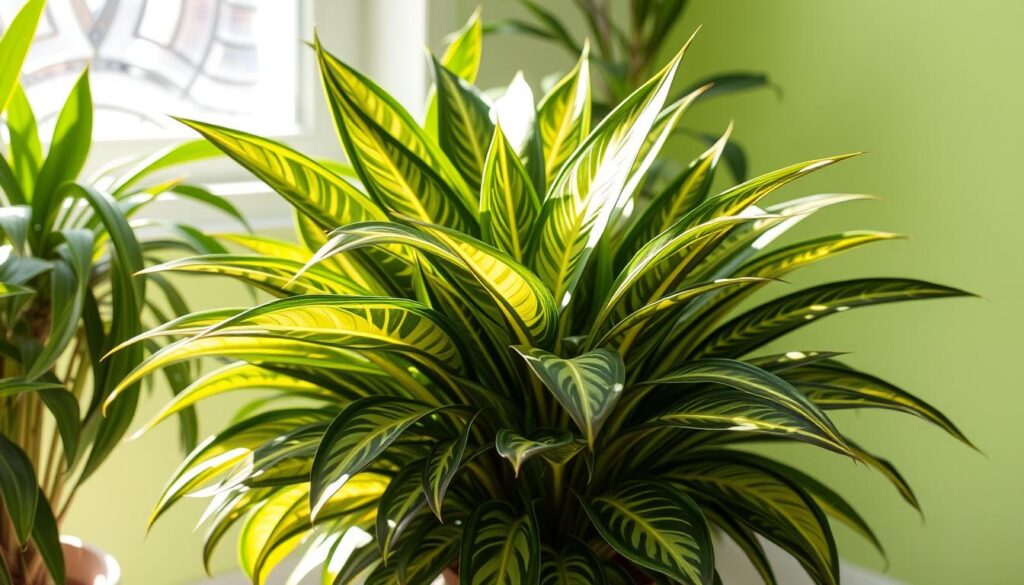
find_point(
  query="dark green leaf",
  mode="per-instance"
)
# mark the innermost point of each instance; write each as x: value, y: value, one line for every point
x: 18, y: 488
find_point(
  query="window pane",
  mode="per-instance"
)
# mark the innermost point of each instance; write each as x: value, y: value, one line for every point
x: 233, y: 62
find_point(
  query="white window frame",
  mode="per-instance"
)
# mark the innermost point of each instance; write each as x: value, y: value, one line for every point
x: 384, y: 39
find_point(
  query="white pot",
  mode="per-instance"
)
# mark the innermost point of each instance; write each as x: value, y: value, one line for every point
x: 88, y: 565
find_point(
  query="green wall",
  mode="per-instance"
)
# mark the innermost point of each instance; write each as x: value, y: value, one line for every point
x: 932, y: 94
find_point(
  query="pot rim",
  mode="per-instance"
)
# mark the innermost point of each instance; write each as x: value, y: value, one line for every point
x: 112, y: 573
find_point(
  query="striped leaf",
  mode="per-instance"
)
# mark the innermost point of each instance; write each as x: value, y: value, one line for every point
x: 766, y: 503
x: 462, y: 56
x: 441, y: 465
x: 395, y: 160
x: 681, y: 196
x: 275, y: 275
x: 574, y: 564
x: 657, y: 269
x: 790, y: 258
x: 523, y: 300
x: 220, y: 453
x: 584, y: 194
x: 464, y: 126
x: 234, y: 377
x: 829, y: 501
x: 252, y: 348
x: 429, y: 552
x: 355, y: 439
x: 663, y: 129
x: 399, y: 505
x: 587, y: 386
x: 778, y: 317
x: 508, y: 203
x: 563, y: 117
x: 314, y: 190
x: 626, y: 331
x: 772, y: 401
x: 832, y: 386
x: 657, y: 527
x: 553, y: 443
x: 499, y: 548
x: 725, y: 409
x: 362, y: 323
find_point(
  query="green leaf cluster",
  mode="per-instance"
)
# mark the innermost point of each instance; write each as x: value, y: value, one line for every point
x: 492, y: 355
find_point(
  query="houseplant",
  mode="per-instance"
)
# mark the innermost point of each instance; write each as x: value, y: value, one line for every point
x: 69, y: 252
x: 484, y: 359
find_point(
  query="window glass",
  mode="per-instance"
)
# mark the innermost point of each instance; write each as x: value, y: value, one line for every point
x: 228, y: 61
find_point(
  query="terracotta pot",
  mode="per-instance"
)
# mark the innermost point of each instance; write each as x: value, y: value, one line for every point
x: 88, y: 565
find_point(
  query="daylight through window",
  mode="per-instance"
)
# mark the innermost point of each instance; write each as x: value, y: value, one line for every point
x: 227, y: 61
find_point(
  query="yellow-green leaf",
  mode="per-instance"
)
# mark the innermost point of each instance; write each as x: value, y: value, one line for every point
x: 756, y: 497
x: 441, y: 466
x: 274, y: 274
x: 657, y: 527
x: 517, y: 448
x: 780, y: 316
x: 232, y: 378
x: 14, y: 47
x: 585, y: 191
x: 464, y: 125
x: 774, y: 405
x: 397, y: 163
x: 499, y: 547
x: 462, y: 56
x: 324, y: 196
x: 563, y: 117
x: 587, y: 386
x: 355, y: 439
x: 508, y: 203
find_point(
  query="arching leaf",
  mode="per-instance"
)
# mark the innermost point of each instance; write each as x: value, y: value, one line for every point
x: 766, y: 503
x: 778, y: 317
x: 657, y: 527
x: 322, y: 195
x: 356, y: 438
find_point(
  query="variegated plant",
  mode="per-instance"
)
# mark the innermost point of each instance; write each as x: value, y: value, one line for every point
x: 69, y: 252
x: 486, y: 355
x: 628, y: 43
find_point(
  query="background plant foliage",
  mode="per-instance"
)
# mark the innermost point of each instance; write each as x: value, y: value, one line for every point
x: 69, y: 254
x: 627, y: 41
x: 496, y: 357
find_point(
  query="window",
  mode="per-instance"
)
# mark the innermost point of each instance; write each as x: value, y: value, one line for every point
x: 230, y: 61
x: 239, y: 63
